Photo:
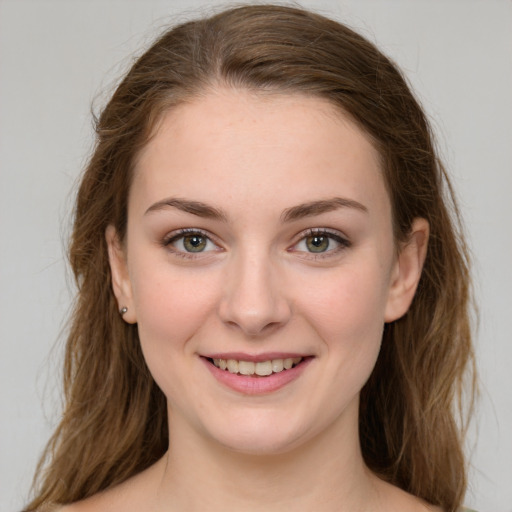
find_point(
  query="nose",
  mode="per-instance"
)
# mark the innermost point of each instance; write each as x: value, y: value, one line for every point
x: 254, y: 298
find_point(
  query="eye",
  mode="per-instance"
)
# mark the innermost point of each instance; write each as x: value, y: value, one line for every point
x: 320, y: 241
x: 190, y: 241
x: 317, y: 243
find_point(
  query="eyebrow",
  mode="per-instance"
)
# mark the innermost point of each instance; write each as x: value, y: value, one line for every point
x: 188, y: 206
x: 317, y: 207
x: 290, y: 214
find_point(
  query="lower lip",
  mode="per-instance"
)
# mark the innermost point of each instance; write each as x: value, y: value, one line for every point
x: 255, y: 385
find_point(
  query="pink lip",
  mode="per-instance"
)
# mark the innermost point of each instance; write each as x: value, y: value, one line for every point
x: 255, y: 358
x: 249, y: 385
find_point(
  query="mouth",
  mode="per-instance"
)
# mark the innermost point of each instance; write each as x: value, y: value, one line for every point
x: 256, y: 374
x: 256, y: 369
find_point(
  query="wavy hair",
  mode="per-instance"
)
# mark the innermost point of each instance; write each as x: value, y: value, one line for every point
x: 114, y: 422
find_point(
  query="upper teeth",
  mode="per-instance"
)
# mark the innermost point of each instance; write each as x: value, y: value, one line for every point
x: 262, y: 368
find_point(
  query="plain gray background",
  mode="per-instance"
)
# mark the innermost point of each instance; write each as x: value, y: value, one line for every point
x: 58, y: 57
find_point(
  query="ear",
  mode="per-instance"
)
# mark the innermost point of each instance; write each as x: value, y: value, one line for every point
x: 121, y: 283
x: 407, y: 271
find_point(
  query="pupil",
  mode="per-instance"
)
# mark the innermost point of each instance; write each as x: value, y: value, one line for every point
x: 317, y: 243
x: 194, y: 243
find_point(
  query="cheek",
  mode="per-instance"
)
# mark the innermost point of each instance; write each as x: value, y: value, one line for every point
x: 345, y: 312
x: 347, y: 308
x: 171, y: 305
x: 171, y: 308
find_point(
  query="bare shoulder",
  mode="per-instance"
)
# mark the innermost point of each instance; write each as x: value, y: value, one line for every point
x: 134, y: 494
x: 103, y: 501
x: 95, y: 503
x: 396, y: 499
x: 112, y: 500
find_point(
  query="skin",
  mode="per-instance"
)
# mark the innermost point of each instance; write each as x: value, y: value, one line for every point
x: 257, y: 288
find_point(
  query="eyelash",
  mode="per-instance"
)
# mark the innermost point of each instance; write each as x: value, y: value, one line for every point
x: 322, y: 232
x: 182, y: 233
x: 169, y: 240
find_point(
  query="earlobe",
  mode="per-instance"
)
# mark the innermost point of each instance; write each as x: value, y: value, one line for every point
x: 407, y: 271
x: 121, y: 284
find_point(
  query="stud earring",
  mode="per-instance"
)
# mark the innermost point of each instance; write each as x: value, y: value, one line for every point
x: 123, y: 310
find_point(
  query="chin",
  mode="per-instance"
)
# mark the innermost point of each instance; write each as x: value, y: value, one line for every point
x: 265, y: 435
x: 259, y: 444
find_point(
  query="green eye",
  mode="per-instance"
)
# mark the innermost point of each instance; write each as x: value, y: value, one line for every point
x: 321, y: 243
x: 317, y: 243
x: 190, y: 242
x: 194, y: 243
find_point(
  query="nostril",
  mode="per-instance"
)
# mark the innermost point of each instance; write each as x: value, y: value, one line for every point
x: 255, y: 329
x: 252, y: 301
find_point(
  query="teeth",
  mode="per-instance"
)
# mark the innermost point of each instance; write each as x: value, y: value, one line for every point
x: 232, y: 366
x: 263, y: 368
x: 246, y: 367
x: 277, y: 365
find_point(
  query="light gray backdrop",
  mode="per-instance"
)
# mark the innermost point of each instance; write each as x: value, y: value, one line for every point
x: 56, y: 57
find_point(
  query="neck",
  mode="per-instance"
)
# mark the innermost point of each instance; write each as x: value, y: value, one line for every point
x: 325, y: 473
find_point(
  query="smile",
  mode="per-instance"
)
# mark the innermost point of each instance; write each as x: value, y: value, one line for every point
x: 260, y: 369
x: 256, y: 374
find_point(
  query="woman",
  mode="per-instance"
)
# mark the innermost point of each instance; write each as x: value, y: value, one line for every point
x: 273, y: 294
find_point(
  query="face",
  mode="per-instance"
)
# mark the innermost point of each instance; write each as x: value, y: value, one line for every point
x: 260, y: 267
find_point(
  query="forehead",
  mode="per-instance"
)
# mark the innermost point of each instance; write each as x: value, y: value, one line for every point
x: 239, y: 147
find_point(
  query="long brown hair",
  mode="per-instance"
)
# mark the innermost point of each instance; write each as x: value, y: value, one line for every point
x: 114, y: 423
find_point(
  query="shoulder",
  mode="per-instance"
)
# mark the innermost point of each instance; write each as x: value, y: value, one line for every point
x: 87, y: 505
x: 104, y: 501
x: 132, y: 495
x: 111, y: 500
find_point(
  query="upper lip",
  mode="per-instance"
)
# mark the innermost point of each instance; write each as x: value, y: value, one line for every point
x: 255, y: 358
